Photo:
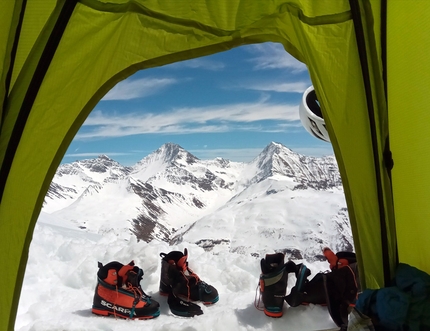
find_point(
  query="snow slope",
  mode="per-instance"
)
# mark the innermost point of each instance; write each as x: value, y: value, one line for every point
x: 61, y: 276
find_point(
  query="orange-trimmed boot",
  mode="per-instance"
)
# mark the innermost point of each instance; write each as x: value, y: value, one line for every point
x: 178, y: 279
x: 118, y: 293
x: 273, y: 284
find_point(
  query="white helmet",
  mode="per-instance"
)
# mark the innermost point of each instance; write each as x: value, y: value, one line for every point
x: 311, y: 115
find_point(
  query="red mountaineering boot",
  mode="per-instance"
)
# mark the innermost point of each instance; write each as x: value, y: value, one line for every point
x: 118, y: 293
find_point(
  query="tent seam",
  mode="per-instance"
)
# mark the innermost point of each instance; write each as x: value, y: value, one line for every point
x: 12, y: 59
x: 362, y: 51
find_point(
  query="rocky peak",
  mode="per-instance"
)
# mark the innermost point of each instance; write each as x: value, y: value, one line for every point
x: 316, y: 172
x: 171, y: 153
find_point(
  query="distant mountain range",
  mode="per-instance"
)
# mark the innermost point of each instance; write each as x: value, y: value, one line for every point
x: 281, y: 201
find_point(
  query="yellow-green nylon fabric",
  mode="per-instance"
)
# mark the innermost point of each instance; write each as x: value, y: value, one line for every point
x: 376, y: 112
x: 17, y: 217
x: 408, y: 88
x: 25, y: 72
x: 9, y: 14
x: 107, y: 41
x: 36, y: 14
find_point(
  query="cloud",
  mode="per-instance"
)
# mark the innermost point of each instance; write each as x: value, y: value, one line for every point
x: 259, y: 116
x: 138, y: 88
x: 314, y: 151
x: 95, y: 154
x: 274, y: 56
x: 199, y: 63
x: 236, y: 154
x: 249, y: 154
x: 92, y: 155
x: 295, y: 87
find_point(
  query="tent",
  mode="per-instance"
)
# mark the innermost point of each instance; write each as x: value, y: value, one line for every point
x: 366, y: 60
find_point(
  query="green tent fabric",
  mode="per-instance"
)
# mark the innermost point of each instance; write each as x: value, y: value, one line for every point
x: 366, y: 60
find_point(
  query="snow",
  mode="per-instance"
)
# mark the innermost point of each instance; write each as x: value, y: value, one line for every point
x: 259, y: 209
x: 60, y: 279
x: 178, y: 193
x: 277, y: 218
x: 99, y: 215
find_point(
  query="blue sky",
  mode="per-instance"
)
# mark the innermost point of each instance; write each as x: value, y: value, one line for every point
x: 231, y: 105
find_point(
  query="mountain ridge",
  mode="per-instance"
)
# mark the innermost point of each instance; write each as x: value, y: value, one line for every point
x: 170, y: 192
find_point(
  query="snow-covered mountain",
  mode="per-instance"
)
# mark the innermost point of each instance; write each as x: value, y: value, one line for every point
x: 73, y: 179
x: 281, y: 200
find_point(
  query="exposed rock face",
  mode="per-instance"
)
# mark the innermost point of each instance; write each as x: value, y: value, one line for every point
x: 173, y: 188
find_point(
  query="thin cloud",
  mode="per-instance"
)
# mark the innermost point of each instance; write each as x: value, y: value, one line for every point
x: 274, y: 56
x: 236, y: 154
x: 315, y: 151
x: 200, y: 63
x: 94, y: 154
x: 295, y: 87
x: 138, y: 88
x: 220, y: 118
x: 249, y: 154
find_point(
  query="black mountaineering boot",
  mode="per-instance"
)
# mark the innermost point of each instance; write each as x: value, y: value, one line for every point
x: 118, y: 292
x: 273, y: 283
x: 305, y: 292
x: 166, y: 272
x: 184, y: 285
x: 183, y: 308
x: 302, y: 274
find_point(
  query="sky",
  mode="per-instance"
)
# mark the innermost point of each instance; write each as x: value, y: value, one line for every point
x: 231, y: 105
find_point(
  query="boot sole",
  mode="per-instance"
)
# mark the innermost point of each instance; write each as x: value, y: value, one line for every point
x: 185, y: 313
x: 206, y: 303
x: 273, y: 314
x: 102, y: 312
x: 215, y: 300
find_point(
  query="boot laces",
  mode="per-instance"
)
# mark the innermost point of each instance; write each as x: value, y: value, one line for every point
x: 188, y: 275
x: 188, y: 272
x: 257, y: 299
x: 132, y: 285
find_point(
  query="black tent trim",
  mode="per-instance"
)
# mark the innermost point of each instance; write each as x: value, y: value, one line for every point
x: 33, y: 89
x: 13, y: 56
x: 361, y: 45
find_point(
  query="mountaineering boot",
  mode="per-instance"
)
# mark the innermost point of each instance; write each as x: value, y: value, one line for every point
x: 273, y: 283
x: 304, y: 291
x: 183, y: 308
x: 340, y: 287
x: 178, y: 278
x: 118, y: 292
x: 302, y: 273
x: 184, y: 285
